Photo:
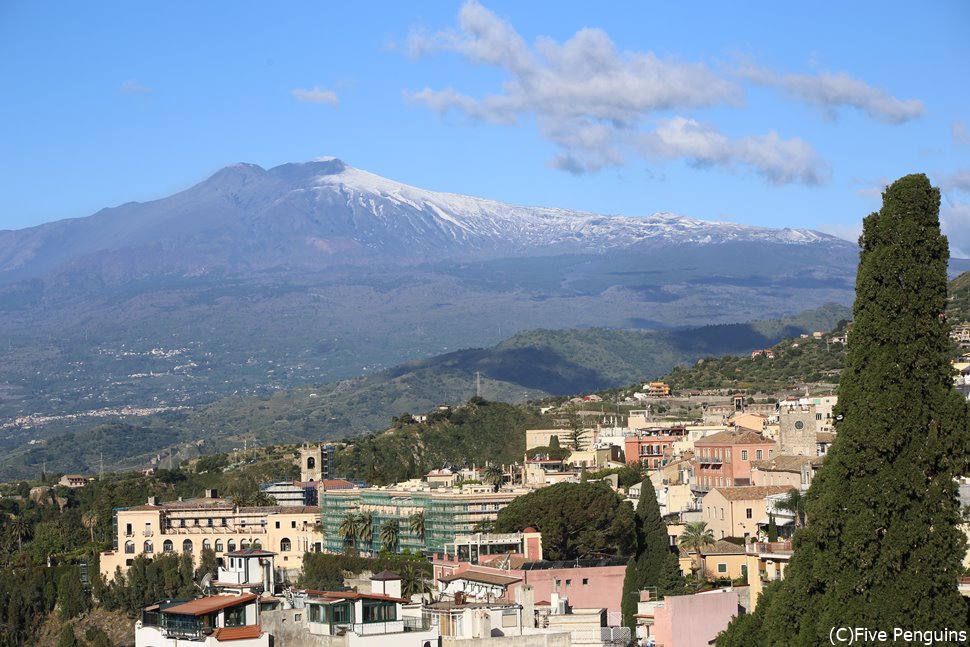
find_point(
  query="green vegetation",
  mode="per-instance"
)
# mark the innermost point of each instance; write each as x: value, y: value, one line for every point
x: 881, y: 546
x: 646, y: 569
x: 322, y: 572
x: 958, y: 303
x: 473, y: 433
x: 576, y: 520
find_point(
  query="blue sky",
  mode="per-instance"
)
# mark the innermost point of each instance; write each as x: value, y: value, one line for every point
x: 762, y: 113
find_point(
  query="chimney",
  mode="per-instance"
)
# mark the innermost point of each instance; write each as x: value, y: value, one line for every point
x: 212, y: 494
x: 153, y: 500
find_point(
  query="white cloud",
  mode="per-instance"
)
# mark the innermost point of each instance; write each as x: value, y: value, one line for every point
x: 960, y: 134
x: 316, y: 95
x: 959, y: 180
x: 133, y: 87
x: 593, y: 101
x: 832, y: 90
x: 955, y: 223
x: 778, y: 160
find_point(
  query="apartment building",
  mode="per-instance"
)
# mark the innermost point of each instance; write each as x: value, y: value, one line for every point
x: 444, y: 513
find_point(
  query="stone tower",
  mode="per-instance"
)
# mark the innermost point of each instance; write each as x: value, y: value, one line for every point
x: 797, y: 431
x: 316, y: 462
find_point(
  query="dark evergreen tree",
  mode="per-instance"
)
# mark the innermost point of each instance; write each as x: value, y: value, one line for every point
x: 650, y: 565
x: 882, y: 548
x: 67, y: 638
x: 71, y: 598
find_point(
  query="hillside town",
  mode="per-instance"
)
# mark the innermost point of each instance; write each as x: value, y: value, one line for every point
x: 729, y: 489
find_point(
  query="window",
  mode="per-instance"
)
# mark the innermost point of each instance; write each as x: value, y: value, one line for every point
x: 224, y: 524
x: 208, y: 522
x: 340, y: 613
x: 759, y: 454
x: 187, y: 546
x: 128, y: 530
x: 257, y: 543
x: 236, y: 616
x: 818, y: 416
x: 316, y: 613
x: 206, y: 544
x: 292, y: 524
x: 277, y: 524
x: 167, y: 547
x: 568, y: 582
x: 556, y: 583
x: 585, y: 581
x: 747, y: 513
x: 722, y: 514
x: 219, y: 546
x: 379, y: 612
x: 284, y: 545
x: 721, y: 567
x: 148, y: 547
x: 744, y: 454
x: 244, y: 544
x: 231, y: 546
x: 129, y: 548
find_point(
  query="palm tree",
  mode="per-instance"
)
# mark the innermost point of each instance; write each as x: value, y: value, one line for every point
x: 349, y: 528
x: 413, y: 582
x: 90, y: 520
x: 416, y: 524
x: 695, y: 537
x: 794, y: 502
x: 390, y: 533
x: 494, y: 475
x: 21, y: 530
x: 365, y: 530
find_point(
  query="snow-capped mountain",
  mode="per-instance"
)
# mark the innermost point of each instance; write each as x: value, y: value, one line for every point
x: 325, y: 212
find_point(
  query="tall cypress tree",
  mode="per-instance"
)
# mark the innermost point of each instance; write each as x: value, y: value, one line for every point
x: 882, y: 548
x: 647, y: 568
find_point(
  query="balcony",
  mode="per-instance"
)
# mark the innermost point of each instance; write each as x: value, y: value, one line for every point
x: 780, y: 548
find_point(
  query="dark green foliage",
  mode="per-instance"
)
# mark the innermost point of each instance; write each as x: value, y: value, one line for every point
x: 71, y: 598
x: 473, y: 433
x: 629, y: 475
x: 96, y: 637
x: 649, y: 568
x: 150, y: 580
x: 772, y: 528
x: 67, y: 638
x: 323, y: 572
x: 881, y: 548
x: 576, y: 520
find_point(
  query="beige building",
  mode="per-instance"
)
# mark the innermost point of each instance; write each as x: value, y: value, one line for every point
x: 794, y: 471
x: 724, y: 560
x: 736, y: 511
x: 211, y: 522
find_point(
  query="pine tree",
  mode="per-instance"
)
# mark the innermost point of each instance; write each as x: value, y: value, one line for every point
x: 882, y: 548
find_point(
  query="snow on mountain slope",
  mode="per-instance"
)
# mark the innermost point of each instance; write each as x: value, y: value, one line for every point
x: 324, y: 212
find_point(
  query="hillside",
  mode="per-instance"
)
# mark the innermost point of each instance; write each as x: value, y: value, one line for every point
x: 958, y: 306
x: 530, y: 365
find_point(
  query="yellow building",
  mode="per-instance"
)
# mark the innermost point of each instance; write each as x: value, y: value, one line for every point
x: 192, y: 525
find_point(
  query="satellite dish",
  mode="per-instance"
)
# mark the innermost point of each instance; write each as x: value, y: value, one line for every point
x: 206, y: 581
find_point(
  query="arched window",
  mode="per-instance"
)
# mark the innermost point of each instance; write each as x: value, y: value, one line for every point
x: 167, y: 546
x: 129, y: 547
x: 257, y: 544
x: 284, y: 545
x: 206, y: 544
x: 219, y: 546
x: 232, y: 545
x: 187, y: 546
x: 244, y: 544
x: 311, y: 463
x: 148, y: 547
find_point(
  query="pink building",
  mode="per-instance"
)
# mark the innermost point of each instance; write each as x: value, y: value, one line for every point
x: 724, y: 459
x: 585, y: 584
x: 653, y: 447
x: 687, y: 620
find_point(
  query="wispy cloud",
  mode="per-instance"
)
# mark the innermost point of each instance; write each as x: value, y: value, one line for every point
x: 595, y: 102
x: 960, y: 134
x: 316, y: 95
x: 955, y: 222
x: 133, y: 87
x: 832, y: 90
x: 959, y: 180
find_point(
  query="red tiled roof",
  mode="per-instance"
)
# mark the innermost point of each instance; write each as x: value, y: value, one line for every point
x: 210, y: 604
x: 354, y: 595
x: 224, y: 634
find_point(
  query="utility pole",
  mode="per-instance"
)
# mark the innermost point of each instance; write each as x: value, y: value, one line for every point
x: 478, y: 384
